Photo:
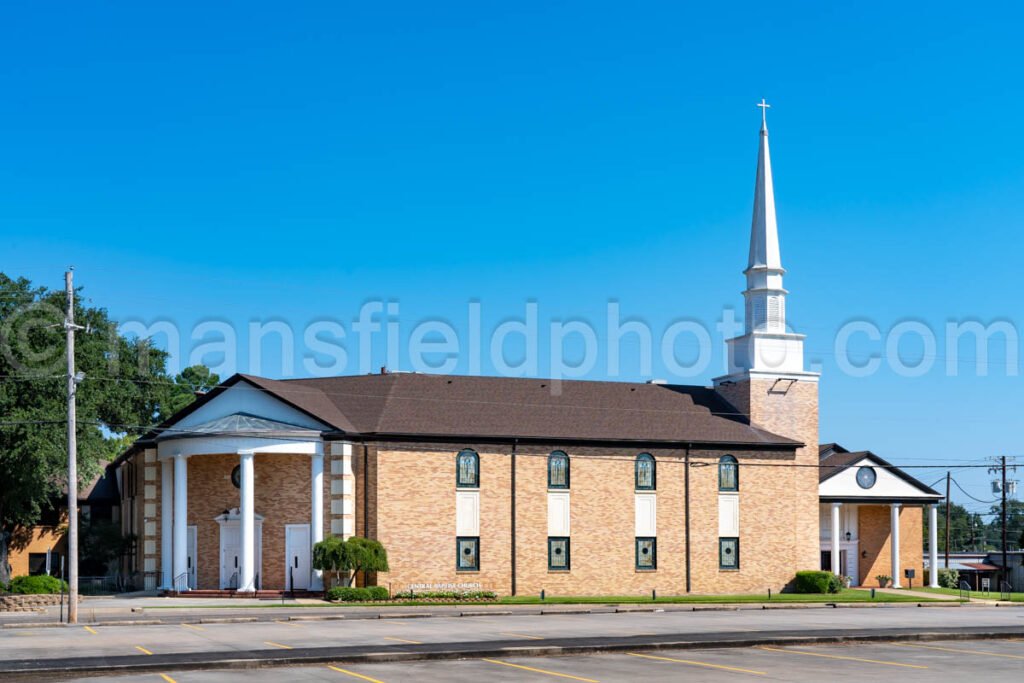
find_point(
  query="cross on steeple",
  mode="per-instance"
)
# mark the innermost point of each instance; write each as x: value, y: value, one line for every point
x: 764, y: 110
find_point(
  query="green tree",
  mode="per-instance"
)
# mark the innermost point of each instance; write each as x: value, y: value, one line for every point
x: 345, y: 559
x: 966, y: 529
x: 1014, y: 525
x: 366, y: 555
x: 189, y: 383
x: 329, y: 556
x: 126, y: 389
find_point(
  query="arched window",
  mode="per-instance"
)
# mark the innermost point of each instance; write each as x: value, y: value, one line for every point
x: 558, y: 470
x: 645, y: 472
x: 467, y: 469
x: 728, y: 474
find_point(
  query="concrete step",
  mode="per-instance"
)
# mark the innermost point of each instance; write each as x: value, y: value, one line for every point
x: 226, y: 593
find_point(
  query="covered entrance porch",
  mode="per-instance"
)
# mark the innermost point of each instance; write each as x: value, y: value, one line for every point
x: 871, y: 517
x: 242, y: 504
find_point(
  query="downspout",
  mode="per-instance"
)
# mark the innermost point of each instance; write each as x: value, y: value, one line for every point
x: 366, y: 491
x: 513, y: 518
x: 686, y: 504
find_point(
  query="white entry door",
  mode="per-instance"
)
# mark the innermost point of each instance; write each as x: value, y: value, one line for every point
x: 297, y: 560
x: 192, y: 555
x: 231, y: 554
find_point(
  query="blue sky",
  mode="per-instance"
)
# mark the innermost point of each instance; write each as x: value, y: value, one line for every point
x: 256, y: 161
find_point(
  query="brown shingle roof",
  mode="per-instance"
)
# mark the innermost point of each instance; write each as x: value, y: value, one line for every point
x: 498, y: 407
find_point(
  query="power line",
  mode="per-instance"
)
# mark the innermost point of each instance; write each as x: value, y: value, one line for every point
x: 987, y: 502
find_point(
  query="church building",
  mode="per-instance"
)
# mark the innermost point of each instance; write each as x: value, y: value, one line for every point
x: 501, y: 484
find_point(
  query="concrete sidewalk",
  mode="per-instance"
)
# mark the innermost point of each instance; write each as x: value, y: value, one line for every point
x: 247, y: 610
x: 924, y: 595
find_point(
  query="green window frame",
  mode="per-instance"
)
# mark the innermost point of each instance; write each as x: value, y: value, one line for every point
x: 467, y: 554
x: 467, y: 469
x: 645, y: 473
x: 728, y: 552
x: 646, y: 552
x: 558, y: 470
x: 559, y: 553
x: 728, y: 473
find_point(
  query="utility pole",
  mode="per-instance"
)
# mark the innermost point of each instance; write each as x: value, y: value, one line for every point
x: 947, y: 518
x: 73, y: 379
x: 1004, y: 573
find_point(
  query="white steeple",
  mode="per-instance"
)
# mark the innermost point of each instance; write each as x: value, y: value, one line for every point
x: 766, y: 348
x: 764, y: 233
x: 765, y: 297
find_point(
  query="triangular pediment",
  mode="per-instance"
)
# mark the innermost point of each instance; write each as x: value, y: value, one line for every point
x: 880, y: 480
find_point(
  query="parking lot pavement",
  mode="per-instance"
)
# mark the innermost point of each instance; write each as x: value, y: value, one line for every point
x: 1000, y: 660
x: 90, y: 642
x: 183, y: 638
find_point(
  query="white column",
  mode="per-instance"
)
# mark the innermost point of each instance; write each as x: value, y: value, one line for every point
x: 247, y: 572
x: 166, y: 522
x: 837, y: 568
x: 180, y: 565
x: 933, y: 545
x: 316, y: 517
x: 894, y: 546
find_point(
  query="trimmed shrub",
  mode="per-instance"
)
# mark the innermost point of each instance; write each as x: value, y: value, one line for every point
x: 949, y: 578
x: 37, y: 585
x: 350, y: 594
x: 446, y: 595
x: 817, y: 582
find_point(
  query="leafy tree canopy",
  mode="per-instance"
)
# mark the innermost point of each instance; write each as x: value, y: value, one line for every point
x: 126, y: 389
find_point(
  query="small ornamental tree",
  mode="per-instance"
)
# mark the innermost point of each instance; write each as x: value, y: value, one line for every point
x: 345, y: 559
x: 329, y: 556
x: 366, y: 555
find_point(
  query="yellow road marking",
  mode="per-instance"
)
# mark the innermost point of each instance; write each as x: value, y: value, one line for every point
x: 403, y: 640
x: 283, y: 647
x: 143, y: 650
x: 959, y: 650
x: 539, y: 671
x: 354, y: 674
x: 194, y: 627
x: 168, y: 678
x: 522, y: 635
x: 287, y: 623
x: 851, y: 659
x: 695, y: 663
x: 89, y: 630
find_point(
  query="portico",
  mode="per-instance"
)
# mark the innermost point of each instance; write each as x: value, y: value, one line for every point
x: 244, y: 443
x: 871, y: 517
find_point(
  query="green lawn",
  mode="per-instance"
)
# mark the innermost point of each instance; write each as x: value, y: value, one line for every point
x: 846, y: 595
x: 1014, y: 597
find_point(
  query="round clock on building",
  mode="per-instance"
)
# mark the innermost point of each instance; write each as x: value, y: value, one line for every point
x: 866, y: 477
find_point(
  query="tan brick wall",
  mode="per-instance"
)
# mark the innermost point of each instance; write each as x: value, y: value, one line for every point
x: 873, y: 529
x: 35, y: 539
x: 793, y: 414
x: 602, y: 521
x: 416, y: 521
